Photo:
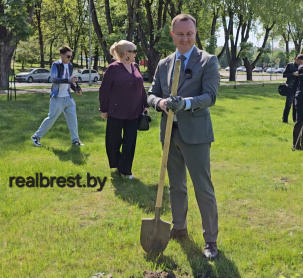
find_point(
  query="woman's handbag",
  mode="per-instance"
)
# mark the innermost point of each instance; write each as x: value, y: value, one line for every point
x: 144, y: 121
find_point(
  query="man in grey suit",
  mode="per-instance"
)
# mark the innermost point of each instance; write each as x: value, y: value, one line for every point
x: 192, y: 132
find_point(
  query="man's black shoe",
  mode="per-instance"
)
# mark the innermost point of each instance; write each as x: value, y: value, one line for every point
x: 178, y: 234
x: 211, y: 250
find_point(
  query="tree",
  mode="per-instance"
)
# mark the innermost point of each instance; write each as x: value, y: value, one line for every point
x: 38, y: 7
x: 15, y: 20
x: 152, y: 17
x: 28, y: 52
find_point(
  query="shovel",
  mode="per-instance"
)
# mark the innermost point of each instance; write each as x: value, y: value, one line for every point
x: 155, y: 232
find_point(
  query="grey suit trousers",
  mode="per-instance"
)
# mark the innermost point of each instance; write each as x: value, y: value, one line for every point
x: 196, y: 157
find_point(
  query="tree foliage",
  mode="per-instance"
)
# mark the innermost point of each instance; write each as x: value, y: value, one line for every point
x: 147, y: 24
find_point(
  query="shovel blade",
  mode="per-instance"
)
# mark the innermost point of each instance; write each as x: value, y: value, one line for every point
x: 154, y: 235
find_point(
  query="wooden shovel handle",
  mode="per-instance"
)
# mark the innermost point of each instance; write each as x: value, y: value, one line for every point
x: 168, y: 130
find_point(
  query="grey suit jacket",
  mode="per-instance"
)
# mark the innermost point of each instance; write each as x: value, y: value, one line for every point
x: 195, y: 124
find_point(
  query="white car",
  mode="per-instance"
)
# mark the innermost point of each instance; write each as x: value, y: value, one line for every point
x: 241, y: 68
x: 83, y: 75
x: 34, y: 75
x: 271, y: 70
x: 280, y: 70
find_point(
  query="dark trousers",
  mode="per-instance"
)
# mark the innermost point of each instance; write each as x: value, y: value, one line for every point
x: 289, y: 101
x: 297, y: 142
x: 122, y: 160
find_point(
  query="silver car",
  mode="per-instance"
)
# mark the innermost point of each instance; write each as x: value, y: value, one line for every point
x: 34, y: 75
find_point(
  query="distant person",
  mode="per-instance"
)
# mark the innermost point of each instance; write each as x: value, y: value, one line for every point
x: 192, y: 132
x: 61, y: 99
x: 291, y: 72
x: 122, y: 101
x: 297, y: 131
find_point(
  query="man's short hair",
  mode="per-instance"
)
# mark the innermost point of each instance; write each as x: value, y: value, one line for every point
x: 65, y: 49
x: 300, y: 57
x: 182, y: 17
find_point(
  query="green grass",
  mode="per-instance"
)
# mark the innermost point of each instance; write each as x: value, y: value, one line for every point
x: 78, y: 232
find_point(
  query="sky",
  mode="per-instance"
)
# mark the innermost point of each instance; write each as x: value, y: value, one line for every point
x: 252, y: 38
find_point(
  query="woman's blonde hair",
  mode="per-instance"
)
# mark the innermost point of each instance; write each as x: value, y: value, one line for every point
x: 118, y: 48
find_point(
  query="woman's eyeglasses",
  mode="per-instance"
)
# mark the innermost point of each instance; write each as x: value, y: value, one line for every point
x: 132, y: 51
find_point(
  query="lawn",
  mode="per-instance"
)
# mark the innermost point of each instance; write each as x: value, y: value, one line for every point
x: 88, y: 232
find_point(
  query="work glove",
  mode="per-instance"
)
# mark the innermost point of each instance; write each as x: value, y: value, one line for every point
x: 176, y: 104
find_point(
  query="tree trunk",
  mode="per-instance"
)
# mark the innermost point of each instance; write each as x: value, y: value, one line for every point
x: 96, y: 58
x: 153, y: 57
x: 132, y: 18
x: 99, y: 33
x: 8, y: 44
x: 248, y: 69
x: 38, y: 17
x: 7, y: 48
x: 86, y: 58
x: 108, y: 18
x: 51, y: 52
x: 233, y: 71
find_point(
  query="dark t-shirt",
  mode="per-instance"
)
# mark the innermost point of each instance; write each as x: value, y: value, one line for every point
x: 121, y: 93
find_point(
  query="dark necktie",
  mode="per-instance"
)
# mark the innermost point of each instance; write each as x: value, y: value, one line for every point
x: 182, y: 58
x: 66, y: 74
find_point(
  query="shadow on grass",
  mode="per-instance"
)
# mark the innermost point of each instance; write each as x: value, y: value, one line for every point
x: 202, y: 267
x: 73, y: 154
x: 163, y: 262
x: 137, y: 193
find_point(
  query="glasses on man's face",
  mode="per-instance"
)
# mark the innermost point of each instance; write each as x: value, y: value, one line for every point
x: 132, y: 51
x: 189, y: 36
x: 68, y: 56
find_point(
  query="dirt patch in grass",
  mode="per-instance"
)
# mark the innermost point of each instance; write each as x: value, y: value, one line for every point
x: 159, y: 274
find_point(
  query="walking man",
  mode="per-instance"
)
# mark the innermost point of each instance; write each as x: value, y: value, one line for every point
x: 61, y: 99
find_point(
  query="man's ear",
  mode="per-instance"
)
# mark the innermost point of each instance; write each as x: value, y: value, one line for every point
x: 172, y: 33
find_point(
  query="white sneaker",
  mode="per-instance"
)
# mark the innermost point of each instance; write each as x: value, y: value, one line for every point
x: 36, y: 141
x: 130, y: 177
x: 78, y: 143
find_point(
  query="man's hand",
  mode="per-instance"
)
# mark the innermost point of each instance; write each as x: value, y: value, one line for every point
x: 176, y: 104
x: 162, y: 104
x: 79, y: 93
x: 74, y: 79
x: 296, y: 73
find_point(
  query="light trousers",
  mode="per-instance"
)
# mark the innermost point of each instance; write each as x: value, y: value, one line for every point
x: 56, y: 106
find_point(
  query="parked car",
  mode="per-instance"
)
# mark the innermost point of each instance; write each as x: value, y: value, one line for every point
x: 145, y: 75
x: 280, y: 70
x: 271, y: 70
x: 265, y: 69
x: 241, y: 68
x: 227, y: 68
x: 34, y: 75
x: 257, y: 69
x: 83, y: 75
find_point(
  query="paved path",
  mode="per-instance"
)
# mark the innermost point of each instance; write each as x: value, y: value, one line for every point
x: 90, y: 89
